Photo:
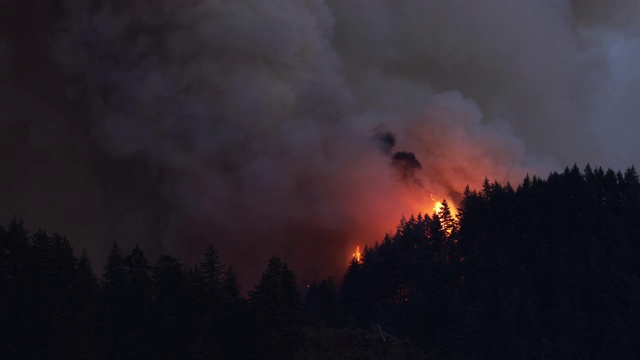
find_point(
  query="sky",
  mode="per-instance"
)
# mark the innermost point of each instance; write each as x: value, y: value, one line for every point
x: 300, y: 128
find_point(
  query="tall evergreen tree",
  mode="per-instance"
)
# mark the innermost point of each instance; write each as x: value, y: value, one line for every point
x: 138, y: 311
x: 114, y: 304
x: 276, y: 299
x: 277, y: 308
x: 17, y: 322
x: 212, y: 270
x: 321, y: 303
x: 86, y: 283
x: 171, y: 308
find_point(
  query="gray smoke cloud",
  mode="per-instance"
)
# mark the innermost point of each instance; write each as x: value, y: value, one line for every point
x: 249, y: 124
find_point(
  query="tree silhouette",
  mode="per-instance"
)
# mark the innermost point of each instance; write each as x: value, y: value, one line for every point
x: 137, y: 313
x: 277, y: 308
x: 546, y: 270
x: 114, y: 304
x: 171, y: 308
x: 322, y: 304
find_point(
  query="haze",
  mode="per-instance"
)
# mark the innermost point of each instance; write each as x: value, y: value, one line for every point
x: 256, y: 125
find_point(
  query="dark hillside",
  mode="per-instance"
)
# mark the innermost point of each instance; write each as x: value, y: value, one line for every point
x: 548, y: 269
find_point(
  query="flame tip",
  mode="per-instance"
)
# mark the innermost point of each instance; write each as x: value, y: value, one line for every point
x: 357, y: 255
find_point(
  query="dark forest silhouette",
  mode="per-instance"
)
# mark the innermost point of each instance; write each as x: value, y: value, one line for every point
x: 547, y: 270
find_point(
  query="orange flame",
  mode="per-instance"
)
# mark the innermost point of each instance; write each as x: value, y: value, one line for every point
x: 426, y: 204
x: 357, y: 255
x: 437, y: 207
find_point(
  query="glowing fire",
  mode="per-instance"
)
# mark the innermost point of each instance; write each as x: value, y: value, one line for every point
x: 437, y: 207
x: 357, y: 255
x: 426, y: 204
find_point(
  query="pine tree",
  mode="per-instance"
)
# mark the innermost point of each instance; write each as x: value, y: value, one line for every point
x: 138, y: 312
x: 17, y: 321
x: 234, y: 327
x: 212, y: 270
x: 210, y: 295
x: 113, y: 303
x: 230, y: 286
x: 277, y: 308
x: 354, y: 292
x: 321, y: 302
x: 171, y: 308
x: 276, y: 297
x: 449, y: 223
x: 86, y: 283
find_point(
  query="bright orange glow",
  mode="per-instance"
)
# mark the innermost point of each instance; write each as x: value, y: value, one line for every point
x: 357, y: 255
x: 437, y: 207
x: 385, y: 220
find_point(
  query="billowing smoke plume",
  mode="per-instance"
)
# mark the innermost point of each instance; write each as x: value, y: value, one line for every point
x: 407, y: 165
x: 405, y: 162
x: 386, y: 141
x: 249, y: 123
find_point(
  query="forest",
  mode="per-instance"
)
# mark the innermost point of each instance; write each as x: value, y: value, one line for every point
x: 547, y: 269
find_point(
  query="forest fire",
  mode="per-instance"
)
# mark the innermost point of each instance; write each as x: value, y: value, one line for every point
x: 357, y: 256
x: 426, y: 208
x: 437, y: 207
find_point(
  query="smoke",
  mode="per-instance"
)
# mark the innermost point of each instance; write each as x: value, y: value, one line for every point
x: 249, y: 123
x: 407, y: 164
x: 386, y: 141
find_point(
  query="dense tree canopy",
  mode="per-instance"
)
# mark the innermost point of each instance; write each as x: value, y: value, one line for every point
x: 545, y: 270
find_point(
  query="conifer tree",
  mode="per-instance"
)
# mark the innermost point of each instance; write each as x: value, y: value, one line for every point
x: 321, y: 302
x: 277, y: 308
x: 212, y: 270
x: 138, y: 311
x: 113, y: 303
x: 171, y: 308
x: 276, y: 297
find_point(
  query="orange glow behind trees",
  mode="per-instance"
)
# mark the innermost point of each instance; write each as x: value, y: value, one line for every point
x: 447, y: 215
x: 437, y: 207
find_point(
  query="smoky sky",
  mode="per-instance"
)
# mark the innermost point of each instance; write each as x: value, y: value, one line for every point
x: 386, y: 140
x: 249, y: 124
